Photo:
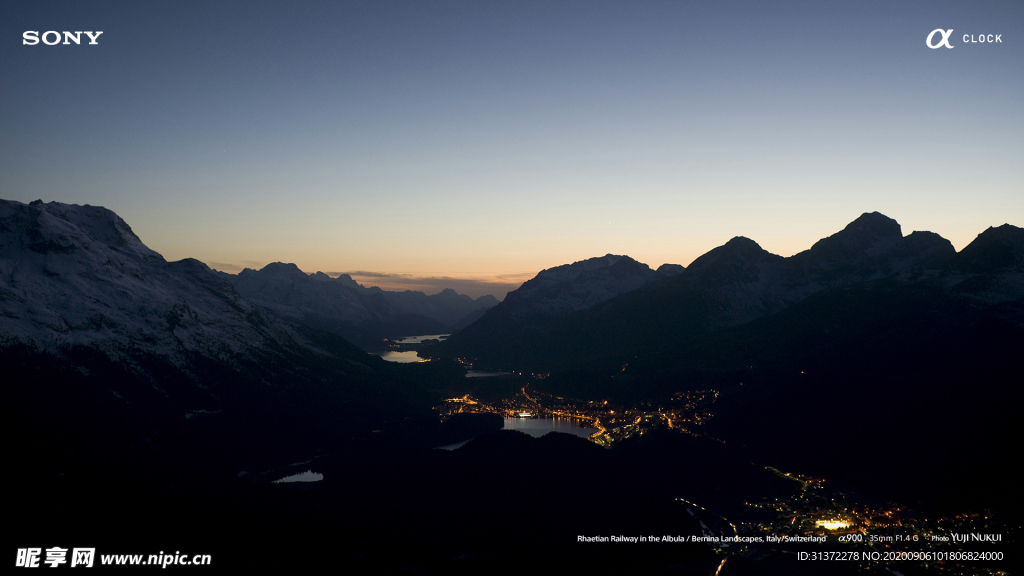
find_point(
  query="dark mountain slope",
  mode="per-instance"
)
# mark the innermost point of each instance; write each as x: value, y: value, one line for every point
x: 906, y: 392
x: 363, y: 315
x: 529, y: 313
x: 321, y: 302
x: 108, y: 349
x: 730, y: 285
x: 447, y: 306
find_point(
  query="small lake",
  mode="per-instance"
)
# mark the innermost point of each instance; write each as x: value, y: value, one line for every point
x: 408, y: 356
x: 538, y: 427
x: 420, y: 339
x: 401, y: 357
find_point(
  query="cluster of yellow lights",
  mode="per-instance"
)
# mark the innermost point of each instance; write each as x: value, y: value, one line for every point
x: 832, y: 524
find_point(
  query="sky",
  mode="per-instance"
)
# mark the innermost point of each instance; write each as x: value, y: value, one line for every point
x: 472, y: 144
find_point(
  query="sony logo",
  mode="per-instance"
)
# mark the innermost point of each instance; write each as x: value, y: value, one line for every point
x: 31, y: 37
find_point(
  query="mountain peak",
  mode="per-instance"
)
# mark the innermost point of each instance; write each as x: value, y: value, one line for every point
x: 57, y: 228
x: 671, y: 269
x: 282, y: 266
x: 994, y: 249
x: 869, y: 235
x: 738, y: 246
x: 563, y: 289
x: 78, y: 275
x: 875, y: 224
x: 742, y: 242
x: 487, y: 299
x: 282, y: 269
x: 571, y: 272
x: 738, y: 259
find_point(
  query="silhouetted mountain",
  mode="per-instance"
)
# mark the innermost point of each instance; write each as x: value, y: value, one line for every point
x: 741, y: 281
x: 290, y: 291
x: 447, y: 306
x: 990, y: 269
x: 342, y: 306
x: 558, y: 291
x: 730, y: 285
x: 319, y: 301
x: 671, y: 269
x: 541, y: 303
x: 994, y: 250
x: 869, y: 248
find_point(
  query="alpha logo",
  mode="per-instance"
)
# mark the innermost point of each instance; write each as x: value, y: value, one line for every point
x: 31, y: 37
x: 945, y: 38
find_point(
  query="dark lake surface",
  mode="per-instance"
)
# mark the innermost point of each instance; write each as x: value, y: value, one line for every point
x: 409, y: 355
x: 538, y: 427
x: 401, y: 357
x: 419, y: 339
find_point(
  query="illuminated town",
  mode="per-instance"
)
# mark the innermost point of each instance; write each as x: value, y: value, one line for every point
x: 816, y: 515
x: 686, y: 412
x: 850, y: 523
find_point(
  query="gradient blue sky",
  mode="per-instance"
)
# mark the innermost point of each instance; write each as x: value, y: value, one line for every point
x: 487, y: 140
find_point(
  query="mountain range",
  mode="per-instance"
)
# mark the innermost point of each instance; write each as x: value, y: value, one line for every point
x: 362, y: 315
x: 557, y: 321
x: 109, y: 348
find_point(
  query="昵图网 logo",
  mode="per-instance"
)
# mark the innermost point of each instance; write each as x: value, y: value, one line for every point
x: 52, y: 37
x: 944, y: 35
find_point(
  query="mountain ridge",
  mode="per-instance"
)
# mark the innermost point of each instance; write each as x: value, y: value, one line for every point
x: 733, y: 284
x: 345, y: 307
x: 99, y: 333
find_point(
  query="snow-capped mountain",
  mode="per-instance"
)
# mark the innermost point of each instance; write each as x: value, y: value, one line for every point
x: 105, y: 343
x: 77, y: 275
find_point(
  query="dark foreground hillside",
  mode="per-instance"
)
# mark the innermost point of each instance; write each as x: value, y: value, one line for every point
x: 503, y: 501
